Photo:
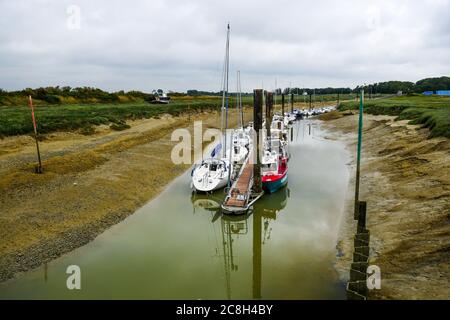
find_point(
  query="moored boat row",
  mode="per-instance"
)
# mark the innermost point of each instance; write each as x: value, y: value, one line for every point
x: 229, y: 165
x: 306, y: 113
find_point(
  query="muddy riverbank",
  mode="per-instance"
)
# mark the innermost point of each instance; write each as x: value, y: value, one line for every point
x: 89, y: 184
x: 405, y: 179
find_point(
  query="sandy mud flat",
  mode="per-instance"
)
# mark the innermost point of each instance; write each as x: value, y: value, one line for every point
x: 405, y: 179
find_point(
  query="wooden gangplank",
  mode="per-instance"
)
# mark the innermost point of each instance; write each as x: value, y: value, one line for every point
x: 239, y: 193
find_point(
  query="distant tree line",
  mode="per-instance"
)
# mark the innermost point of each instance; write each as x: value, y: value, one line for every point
x: 202, y: 93
x: 65, y: 95
x: 194, y: 93
x: 317, y: 91
x: 389, y: 87
x: 428, y: 84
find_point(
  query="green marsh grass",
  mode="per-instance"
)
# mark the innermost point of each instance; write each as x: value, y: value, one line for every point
x: 15, y: 120
x: 432, y: 112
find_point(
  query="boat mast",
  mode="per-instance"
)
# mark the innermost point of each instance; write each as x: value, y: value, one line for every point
x: 263, y: 101
x: 290, y: 94
x: 226, y: 257
x: 276, y: 86
x: 239, y: 101
x: 225, y: 89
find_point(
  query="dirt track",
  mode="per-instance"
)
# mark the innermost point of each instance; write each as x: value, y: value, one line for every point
x: 405, y: 179
x: 89, y: 183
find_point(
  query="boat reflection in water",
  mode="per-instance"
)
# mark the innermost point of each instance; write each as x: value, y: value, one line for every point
x: 207, y: 201
x: 235, y: 226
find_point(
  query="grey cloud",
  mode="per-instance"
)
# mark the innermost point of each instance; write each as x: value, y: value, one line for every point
x: 179, y: 45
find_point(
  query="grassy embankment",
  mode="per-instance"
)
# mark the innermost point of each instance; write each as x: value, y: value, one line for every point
x: 432, y: 112
x: 15, y: 120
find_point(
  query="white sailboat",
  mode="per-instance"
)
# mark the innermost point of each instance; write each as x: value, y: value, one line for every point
x: 216, y: 172
x: 241, y: 141
x: 279, y: 128
x: 240, y: 146
x: 212, y: 174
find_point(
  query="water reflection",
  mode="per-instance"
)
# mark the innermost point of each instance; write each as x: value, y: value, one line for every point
x: 233, y: 226
x: 209, y: 202
x: 179, y: 246
x: 45, y: 272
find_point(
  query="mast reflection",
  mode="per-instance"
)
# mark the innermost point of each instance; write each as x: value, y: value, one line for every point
x: 266, y: 210
x: 231, y: 226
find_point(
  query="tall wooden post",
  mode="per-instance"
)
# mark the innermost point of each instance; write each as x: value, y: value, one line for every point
x: 362, y: 211
x: 269, y: 112
x: 310, y: 101
x: 358, y: 155
x: 257, y: 224
x: 282, y: 104
x: 257, y: 126
x: 38, y: 169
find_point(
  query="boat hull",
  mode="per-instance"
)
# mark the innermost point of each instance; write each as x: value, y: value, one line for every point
x: 217, y: 184
x: 275, y: 184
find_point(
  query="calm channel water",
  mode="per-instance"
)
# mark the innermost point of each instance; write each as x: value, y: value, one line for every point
x: 178, y: 246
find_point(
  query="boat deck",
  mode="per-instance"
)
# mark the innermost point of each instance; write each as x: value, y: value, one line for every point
x: 238, y: 196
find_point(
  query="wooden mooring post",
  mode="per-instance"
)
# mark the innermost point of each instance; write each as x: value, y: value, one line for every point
x: 292, y: 111
x: 38, y: 168
x: 269, y: 112
x: 257, y: 126
x: 282, y: 104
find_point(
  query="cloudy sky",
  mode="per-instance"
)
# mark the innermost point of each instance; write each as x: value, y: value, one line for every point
x: 179, y: 45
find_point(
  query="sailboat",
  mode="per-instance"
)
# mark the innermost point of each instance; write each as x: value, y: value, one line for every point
x: 274, y: 163
x: 241, y: 141
x: 215, y: 172
x: 240, y: 146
